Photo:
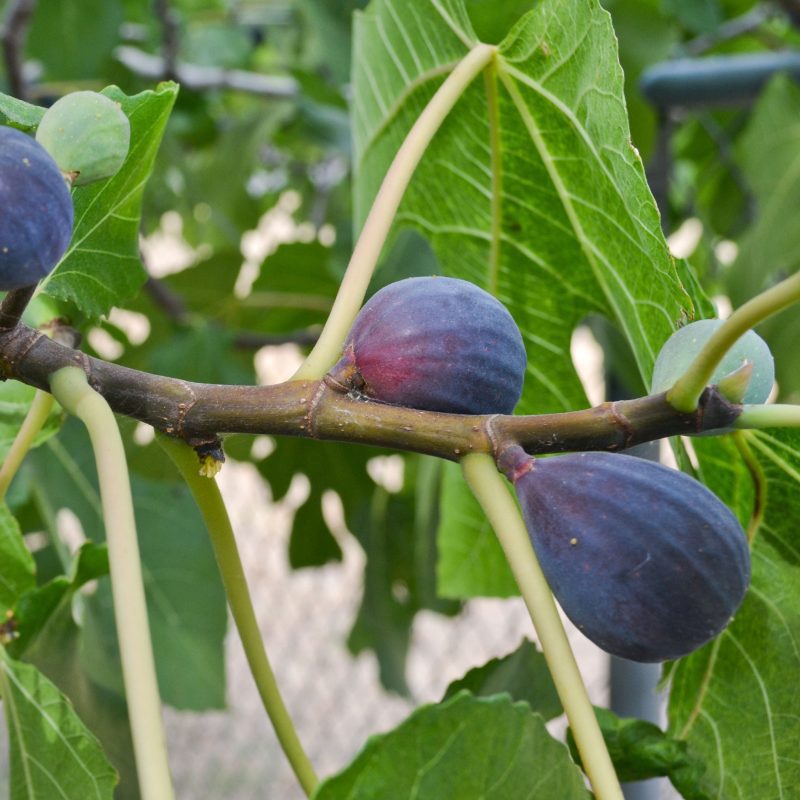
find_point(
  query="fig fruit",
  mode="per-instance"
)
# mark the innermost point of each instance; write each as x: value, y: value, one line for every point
x: 36, y: 213
x: 438, y: 344
x: 681, y: 348
x: 87, y: 134
x: 646, y: 561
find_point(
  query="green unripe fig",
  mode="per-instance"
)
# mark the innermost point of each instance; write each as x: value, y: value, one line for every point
x: 87, y: 134
x: 681, y: 348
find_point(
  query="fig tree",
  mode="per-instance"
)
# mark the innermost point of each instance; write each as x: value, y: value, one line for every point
x: 646, y: 561
x: 439, y: 344
x: 87, y: 134
x: 36, y: 212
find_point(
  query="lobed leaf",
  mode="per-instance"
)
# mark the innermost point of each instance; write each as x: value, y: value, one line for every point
x: 739, y: 682
x: 465, y: 747
x: 531, y: 189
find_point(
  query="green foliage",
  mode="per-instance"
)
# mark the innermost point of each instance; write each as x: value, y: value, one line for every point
x: 398, y: 533
x: 532, y: 189
x: 641, y: 750
x: 539, y: 157
x: 101, y: 267
x: 42, y: 721
x: 15, y: 400
x: 523, y: 674
x: 18, y: 114
x: 751, y: 660
x: 461, y: 748
x: 18, y: 566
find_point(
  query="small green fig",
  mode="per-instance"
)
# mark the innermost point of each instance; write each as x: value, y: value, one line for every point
x: 681, y: 348
x: 87, y: 134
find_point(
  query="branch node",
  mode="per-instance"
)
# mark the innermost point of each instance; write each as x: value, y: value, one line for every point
x: 623, y: 423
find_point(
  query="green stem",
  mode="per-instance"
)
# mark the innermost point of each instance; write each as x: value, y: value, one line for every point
x: 70, y: 388
x: 209, y: 500
x: 769, y: 416
x: 492, y: 493
x: 379, y: 221
x: 684, y: 394
x: 31, y: 425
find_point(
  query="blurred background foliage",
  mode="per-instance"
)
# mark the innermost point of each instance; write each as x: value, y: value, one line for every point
x: 247, y: 227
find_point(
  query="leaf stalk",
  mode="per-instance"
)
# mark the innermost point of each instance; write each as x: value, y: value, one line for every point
x: 34, y: 421
x: 381, y: 216
x: 209, y: 500
x: 70, y: 388
x: 492, y: 493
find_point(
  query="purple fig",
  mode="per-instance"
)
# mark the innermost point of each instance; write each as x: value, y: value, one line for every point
x: 646, y: 561
x: 439, y: 344
x: 36, y: 212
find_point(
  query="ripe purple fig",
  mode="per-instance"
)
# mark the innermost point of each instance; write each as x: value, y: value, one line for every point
x: 438, y: 344
x: 646, y: 561
x: 36, y: 212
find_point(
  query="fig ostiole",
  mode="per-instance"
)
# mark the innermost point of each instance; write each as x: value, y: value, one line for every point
x: 36, y: 212
x: 434, y: 343
x: 646, y: 561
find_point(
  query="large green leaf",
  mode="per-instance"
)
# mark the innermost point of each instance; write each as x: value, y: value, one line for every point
x: 532, y: 187
x: 52, y: 752
x: 734, y: 700
x: 18, y: 569
x: 51, y: 640
x: 101, y: 267
x: 465, y: 747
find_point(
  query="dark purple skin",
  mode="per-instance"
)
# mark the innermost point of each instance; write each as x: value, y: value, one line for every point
x: 438, y: 344
x: 646, y: 561
x: 36, y: 213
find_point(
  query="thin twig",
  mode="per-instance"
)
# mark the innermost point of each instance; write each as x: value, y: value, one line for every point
x: 201, y: 78
x: 173, y: 305
x: 730, y: 29
x: 209, y: 500
x: 14, y: 36
x: 170, y: 41
x: 168, y: 300
x: 13, y: 306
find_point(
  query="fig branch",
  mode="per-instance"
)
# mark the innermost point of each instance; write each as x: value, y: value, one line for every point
x: 197, y: 412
